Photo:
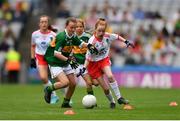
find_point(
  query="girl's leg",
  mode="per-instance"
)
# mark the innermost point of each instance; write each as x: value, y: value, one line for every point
x: 95, y: 82
x: 64, y: 91
x: 87, y: 79
x: 61, y: 82
x: 114, y: 85
x: 43, y: 72
x: 107, y: 91
x: 84, y: 74
x: 70, y: 91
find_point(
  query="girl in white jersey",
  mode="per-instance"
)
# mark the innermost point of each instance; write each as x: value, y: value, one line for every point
x: 39, y: 42
x: 99, y: 64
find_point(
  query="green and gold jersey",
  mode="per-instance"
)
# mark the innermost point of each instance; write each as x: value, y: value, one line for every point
x: 80, y: 53
x: 64, y: 44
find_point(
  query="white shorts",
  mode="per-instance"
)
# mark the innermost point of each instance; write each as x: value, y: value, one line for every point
x: 56, y: 70
x: 78, y: 69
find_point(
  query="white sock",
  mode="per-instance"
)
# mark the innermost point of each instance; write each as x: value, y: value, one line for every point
x: 115, y: 89
x: 110, y: 97
x: 48, y: 84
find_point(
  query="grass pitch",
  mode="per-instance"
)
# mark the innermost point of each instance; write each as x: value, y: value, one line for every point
x: 27, y: 102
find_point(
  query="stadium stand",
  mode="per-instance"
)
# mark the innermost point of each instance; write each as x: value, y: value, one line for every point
x: 142, y: 19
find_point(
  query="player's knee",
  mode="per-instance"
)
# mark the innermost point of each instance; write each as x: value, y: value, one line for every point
x: 111, y: 78
x: 96, y: 84
x: 44, y: 79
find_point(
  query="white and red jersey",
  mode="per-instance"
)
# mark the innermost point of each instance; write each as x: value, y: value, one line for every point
x: 103, y: 46
x: 41, y: 41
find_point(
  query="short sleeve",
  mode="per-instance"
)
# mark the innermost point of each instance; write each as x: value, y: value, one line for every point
x: 113, y: 37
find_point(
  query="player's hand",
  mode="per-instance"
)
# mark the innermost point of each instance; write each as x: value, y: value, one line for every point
x: 72, y: 61
x: 81, y: 72
x: 129, y: 44
x: 92, y: 49
x: 33, y: 63
x: 53, y: 42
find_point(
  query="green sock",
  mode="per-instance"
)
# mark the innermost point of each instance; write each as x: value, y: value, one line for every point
x: 51, y: 88
x: 66, y: 100
x: 90, y: 92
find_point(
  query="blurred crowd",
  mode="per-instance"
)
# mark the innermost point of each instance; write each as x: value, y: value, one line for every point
x: 156, y: 36
x: 13, y: 17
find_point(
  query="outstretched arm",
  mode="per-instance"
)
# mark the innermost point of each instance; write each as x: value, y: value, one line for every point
x: 125, y: 41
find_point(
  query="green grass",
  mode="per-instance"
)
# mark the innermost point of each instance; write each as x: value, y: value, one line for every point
x: 26, y: 102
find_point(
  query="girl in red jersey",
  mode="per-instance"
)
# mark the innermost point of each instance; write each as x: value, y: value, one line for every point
x: 99, y: 64
x: 39, y: 42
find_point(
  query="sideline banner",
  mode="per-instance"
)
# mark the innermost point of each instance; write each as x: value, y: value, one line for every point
x: 148, y: 79
x: 148, y: 76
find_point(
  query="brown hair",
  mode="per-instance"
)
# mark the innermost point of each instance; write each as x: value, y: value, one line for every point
x: 49, y: 23
x: 46, y: 17
x: 70, y: 19
x: 52, y: 28
x: 81, y: 21
x: 101, y: 21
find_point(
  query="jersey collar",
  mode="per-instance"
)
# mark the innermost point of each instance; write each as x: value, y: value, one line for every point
x: 98, y: 39
x: 47, y: 32
x: 68, y: 34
